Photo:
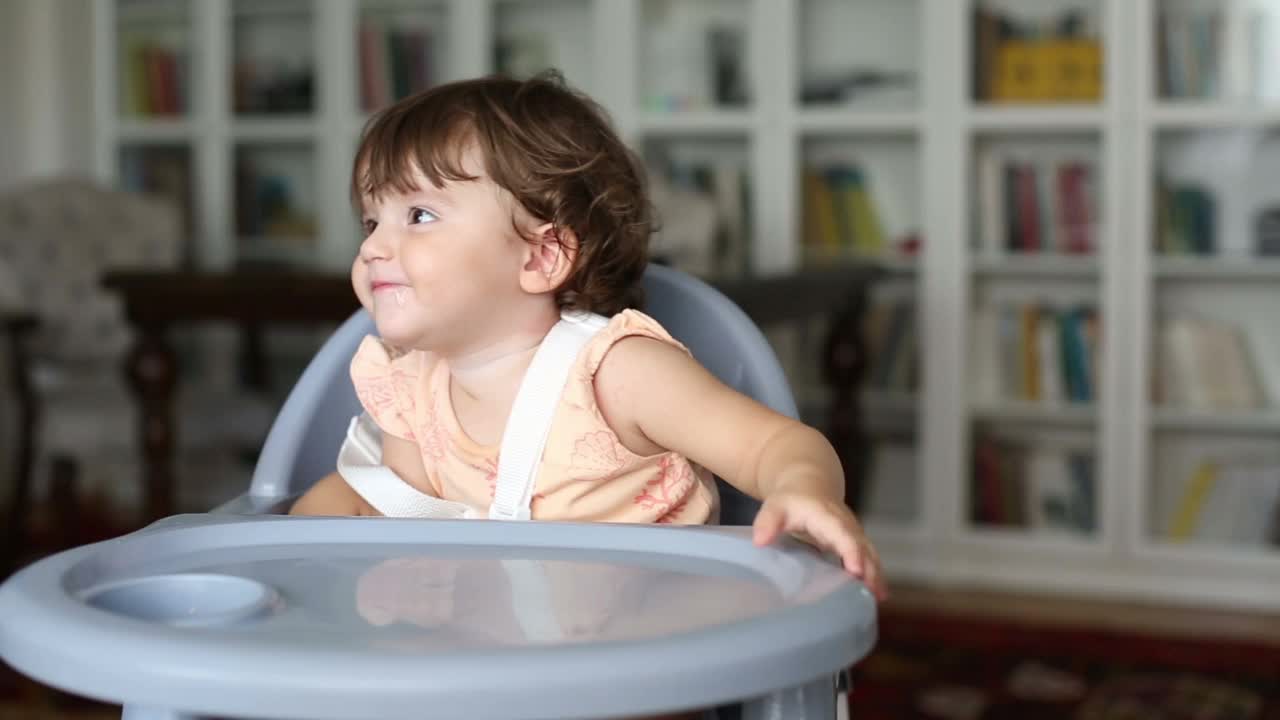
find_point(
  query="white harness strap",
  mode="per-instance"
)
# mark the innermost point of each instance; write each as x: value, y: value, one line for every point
x: 360, y: 464
x: 525, y: 436
x: 523, y: 441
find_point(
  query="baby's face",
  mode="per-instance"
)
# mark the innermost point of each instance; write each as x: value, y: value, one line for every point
x: 438, y: 265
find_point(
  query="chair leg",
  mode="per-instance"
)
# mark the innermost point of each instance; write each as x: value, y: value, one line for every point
x: 20, y: 502
x: 19, y: 505
x: 814, y: 701
x: 843, y: 683
x: 64, y: 499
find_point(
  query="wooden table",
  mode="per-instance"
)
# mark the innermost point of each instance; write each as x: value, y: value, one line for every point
x: 155, y: 301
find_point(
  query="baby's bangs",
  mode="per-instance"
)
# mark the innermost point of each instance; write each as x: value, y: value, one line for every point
x: 397, y: 147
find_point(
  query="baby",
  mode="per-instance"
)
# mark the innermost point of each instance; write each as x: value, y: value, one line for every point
x: 494, y: 211
x: 499, y: 214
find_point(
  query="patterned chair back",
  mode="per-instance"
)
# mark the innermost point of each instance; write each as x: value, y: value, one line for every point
x: 57, y: 237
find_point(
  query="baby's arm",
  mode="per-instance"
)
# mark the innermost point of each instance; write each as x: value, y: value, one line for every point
x: 331, y: 495
x: 658, y: 398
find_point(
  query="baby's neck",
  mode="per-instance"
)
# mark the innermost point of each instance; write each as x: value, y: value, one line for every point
x: 490, y: 374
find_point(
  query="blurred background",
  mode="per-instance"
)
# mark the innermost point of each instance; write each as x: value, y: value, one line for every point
x: 1030, y: 251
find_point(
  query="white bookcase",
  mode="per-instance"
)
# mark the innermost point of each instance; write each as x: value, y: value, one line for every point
x: 873, y: 100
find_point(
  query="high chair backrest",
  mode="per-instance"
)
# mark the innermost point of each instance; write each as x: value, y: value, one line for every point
x: 302, y: 445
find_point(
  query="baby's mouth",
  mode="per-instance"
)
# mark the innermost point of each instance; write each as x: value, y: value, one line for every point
x: 398, y: 292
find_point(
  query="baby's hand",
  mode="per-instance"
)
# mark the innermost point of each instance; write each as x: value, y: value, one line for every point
x: 826, y: 524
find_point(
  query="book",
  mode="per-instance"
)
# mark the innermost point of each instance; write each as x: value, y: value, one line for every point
x: 1206, y: 364
x: 1189, y: 46
x: 841, y: 217
x: 892, y: 345
x: 1186, y: 219
x: 1228, y: 500
x: 1040, y: 485
x: 1035, y: 202
x: 1023, y: 60
x: 1035, y: 352
x: 1199, y: 486
x: 395, y: 60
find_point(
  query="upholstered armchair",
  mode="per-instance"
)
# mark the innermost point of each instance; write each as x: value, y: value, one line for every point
x: 56, y: 239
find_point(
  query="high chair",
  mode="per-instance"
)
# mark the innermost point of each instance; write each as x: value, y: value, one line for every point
x: 240, y: 613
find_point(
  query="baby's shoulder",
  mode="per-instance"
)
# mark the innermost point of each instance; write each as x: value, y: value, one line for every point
x: 636, y: 354
x: 635, y: 328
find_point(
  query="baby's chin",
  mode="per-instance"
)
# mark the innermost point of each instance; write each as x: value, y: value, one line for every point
x: 418, y: 338
x: 397, y: 334
x: 405, y: 343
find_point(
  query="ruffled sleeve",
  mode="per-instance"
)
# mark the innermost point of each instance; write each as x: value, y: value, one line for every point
x: 388, y: 386
x: 625, y: 324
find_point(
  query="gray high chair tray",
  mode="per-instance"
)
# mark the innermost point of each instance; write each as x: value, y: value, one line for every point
x: 269, y: 616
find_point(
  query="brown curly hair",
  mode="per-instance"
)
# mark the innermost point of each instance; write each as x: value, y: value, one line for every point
x: 551, y: 147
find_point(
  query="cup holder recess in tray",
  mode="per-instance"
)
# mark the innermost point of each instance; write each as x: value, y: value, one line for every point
x: 185, y: 599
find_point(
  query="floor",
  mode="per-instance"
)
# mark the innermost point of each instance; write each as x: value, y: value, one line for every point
x: 1095, y: 613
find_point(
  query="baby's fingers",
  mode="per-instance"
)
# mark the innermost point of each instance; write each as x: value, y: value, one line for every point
x: 873, y: 577
x: 832, y: 536
x: 869, y: 570
x: 769, y: 522
x: 858, y: 558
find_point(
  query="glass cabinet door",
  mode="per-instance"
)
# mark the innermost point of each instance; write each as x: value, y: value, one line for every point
x: 153, y: 58
x: 273, y: 52
x: 695, y: 55
x: 403, y: 48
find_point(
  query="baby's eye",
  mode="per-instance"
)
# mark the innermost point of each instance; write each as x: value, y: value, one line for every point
x: 368, y: 225
x: 421, y: 216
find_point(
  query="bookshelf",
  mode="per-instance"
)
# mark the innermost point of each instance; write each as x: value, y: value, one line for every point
x: 1207, y: 140
x: 780, y: 133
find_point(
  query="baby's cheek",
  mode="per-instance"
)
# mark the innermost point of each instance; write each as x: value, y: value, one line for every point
x: 360, y: 283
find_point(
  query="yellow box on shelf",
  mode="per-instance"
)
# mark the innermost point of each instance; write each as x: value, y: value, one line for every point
x: 1047, y: 70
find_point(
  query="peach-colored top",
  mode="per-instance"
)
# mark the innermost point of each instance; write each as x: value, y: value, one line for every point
x: 586, y: 473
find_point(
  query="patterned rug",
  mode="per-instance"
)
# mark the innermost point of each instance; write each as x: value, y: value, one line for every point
x: 23, y: 699
x: 953, y: 667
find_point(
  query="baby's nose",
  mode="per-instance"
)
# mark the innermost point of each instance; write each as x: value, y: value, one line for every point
x: 375, y: 246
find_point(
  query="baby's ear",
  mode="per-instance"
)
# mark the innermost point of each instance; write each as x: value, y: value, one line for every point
x: 549, y: 256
